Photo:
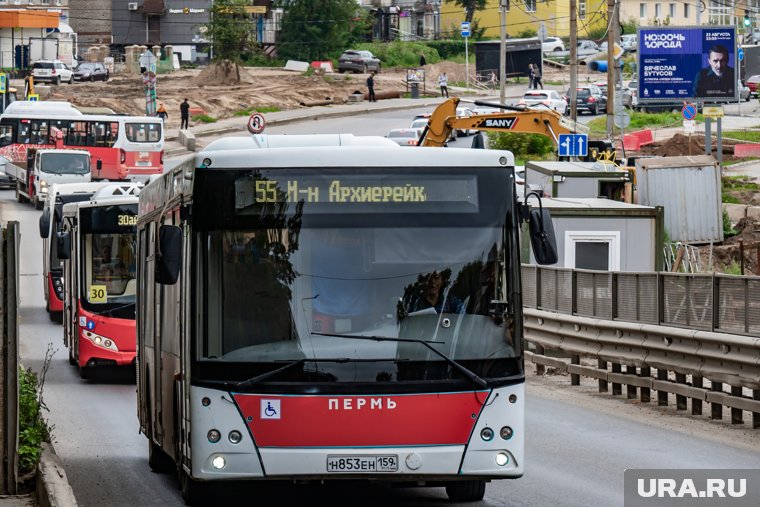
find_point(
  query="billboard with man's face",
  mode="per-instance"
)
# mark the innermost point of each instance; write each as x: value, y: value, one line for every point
x: 687, y: 63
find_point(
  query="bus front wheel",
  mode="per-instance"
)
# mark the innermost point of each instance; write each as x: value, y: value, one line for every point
x: 158, y: 460
x: 466, y: 491
x: 193, y: 492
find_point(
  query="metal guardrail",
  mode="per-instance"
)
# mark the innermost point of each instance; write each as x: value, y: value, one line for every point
x: 709, y: 302
x: 9, y: 359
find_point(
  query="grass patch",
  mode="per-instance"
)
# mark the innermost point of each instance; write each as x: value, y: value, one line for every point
x: 204, y: 118
x: 555, y: 83
x: 33, y: 428
x: 248, y: 111
x: 523, y: 146
x: 743, y: 135
x: 400, y: 54
x: 728, y: 230
x: 639, y: 121
x: 727, y: 163
x: 732, y: 269
x: 739, y: 183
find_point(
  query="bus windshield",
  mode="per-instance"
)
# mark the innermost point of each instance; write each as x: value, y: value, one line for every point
x: 109, y: 255
x: 296, y: 277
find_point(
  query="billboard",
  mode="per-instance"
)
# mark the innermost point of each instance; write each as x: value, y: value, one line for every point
x: 687, y: 63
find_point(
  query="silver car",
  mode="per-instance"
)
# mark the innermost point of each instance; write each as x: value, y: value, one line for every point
x: 358, y: 61
x: 405, y: 137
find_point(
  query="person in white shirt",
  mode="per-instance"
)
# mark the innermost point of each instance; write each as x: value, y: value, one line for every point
x: 443, y: 82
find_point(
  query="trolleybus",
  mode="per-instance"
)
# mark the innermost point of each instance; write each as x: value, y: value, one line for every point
x: 51, y: 223
x: 327, y: 313
x: 128, y: 147
x: 99, y: 252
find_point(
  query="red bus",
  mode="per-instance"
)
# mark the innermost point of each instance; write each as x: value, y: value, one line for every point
x: 98, y: 248
x: 128, y: 147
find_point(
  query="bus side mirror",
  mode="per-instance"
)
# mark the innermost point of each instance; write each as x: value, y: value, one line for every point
x: 170, y: 259
x: 542, y: 237
x: 99, y: 164
x: 45, y: 223
x: 63, y: 245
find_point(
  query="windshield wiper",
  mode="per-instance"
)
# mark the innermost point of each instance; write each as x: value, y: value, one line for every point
x: 264, y: 376
x: 469, y: 374
x: 110, y: 311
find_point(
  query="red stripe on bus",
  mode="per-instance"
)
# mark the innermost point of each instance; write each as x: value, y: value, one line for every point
x: 348, y: 421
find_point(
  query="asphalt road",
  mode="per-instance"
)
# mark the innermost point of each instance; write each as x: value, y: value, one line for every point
x: 577, y: 446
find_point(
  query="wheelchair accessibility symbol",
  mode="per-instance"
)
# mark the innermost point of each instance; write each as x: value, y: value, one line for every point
x: 270, y: 409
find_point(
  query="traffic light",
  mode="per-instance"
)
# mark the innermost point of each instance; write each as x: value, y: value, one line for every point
x: 747, y: 21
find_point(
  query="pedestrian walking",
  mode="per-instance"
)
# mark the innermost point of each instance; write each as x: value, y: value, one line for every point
x: 443, y: 82
x: 422, y: 60
x: 531, y: 77
x: 371, y: 87
x: 184, y: 109
x: 537, y: 77
x: 162, y: 113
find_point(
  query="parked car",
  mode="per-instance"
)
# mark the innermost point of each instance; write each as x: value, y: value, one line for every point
x: 753, y: 82
x: 91, y: 71
x: 52, y: 71
x: 623, y: 92
x: 587, y: 45
x: 589, y: 98
x: 744, y: 92
x: 629, y: 42
x: 552, y: 44
x: 548, y: 98
x: 358, y: 61
x: 405, y: 137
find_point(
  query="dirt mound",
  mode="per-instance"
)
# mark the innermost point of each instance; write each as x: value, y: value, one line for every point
x: 728, y: 252
x: 224, y: 72
x: 681, y: 145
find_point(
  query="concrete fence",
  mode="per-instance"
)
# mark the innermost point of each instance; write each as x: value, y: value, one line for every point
x: 9, y: 357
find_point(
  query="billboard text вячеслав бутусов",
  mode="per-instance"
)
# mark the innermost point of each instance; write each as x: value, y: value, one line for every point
x: 687, y: 63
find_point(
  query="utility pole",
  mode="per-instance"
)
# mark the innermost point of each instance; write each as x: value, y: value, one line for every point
x: 573, y: 60
x: 503, y: 53
x: 612, y: 29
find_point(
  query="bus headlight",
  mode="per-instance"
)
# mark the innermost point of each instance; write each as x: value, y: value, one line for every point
x: 100, y: 341
x: 502, y: 459
x: 218, y: 462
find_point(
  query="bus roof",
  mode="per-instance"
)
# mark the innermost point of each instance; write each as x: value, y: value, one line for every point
x: 32, y: 107
x: 291, y: 141
x: 354, y: 156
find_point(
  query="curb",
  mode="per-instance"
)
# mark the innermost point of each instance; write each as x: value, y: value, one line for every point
x: 53, y: 489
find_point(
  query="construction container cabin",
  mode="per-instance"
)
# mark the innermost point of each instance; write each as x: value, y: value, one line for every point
x: 604, y: 235
x: 578, y: 179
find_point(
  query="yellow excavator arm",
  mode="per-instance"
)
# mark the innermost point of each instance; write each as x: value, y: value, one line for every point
x: 535, y: 121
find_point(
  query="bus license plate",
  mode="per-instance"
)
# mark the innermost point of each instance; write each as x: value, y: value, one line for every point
x: 352, y: 464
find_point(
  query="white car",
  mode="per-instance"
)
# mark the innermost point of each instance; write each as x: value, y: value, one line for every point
x: 421, y: 121
x: 405, y: 137
x: 464, y: 112
x: 552, y: 44
x: 544, y: 98
x: 52, y: 71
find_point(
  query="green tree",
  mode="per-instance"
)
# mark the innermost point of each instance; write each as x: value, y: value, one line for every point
x: 229, y: 29
x: 470, y: 6
x: 319, y: 29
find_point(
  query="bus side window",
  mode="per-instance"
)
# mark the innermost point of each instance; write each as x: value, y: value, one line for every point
x: 6, y: 135
x: 24, y: 133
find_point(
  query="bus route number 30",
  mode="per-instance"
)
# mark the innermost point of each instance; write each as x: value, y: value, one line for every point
x: 98, y: 294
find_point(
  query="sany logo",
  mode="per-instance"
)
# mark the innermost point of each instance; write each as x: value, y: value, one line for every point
x: 669, y: 487
x: 500, y: 123
x: 360, y: 404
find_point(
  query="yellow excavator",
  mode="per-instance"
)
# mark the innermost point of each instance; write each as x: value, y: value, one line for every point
x: 514, y: 119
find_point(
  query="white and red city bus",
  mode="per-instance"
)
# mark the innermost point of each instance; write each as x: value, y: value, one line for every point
x: 98, y: 248
x: 287, y: 326
x: 51, y: 223
x: 128, y: 147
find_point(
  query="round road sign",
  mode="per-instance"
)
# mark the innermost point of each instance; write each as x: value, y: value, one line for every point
x: 689, y: 111
x: 256, y: 123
